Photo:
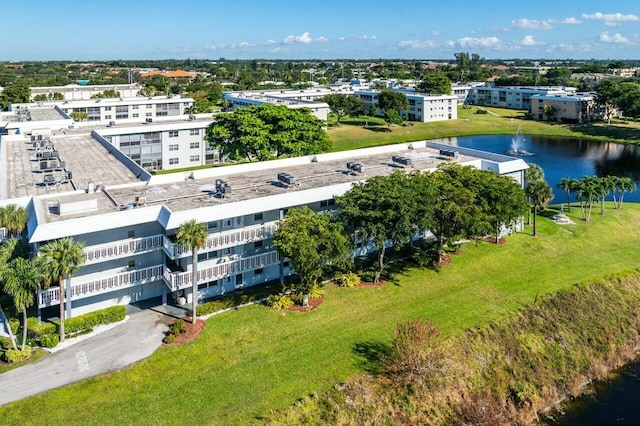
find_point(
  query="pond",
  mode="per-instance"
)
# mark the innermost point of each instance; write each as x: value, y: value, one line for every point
x: 562, y: 157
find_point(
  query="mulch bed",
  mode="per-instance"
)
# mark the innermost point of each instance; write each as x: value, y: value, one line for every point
x: 193, y: 331
x: 313, y: 303
x: 368, y: 284
x: 446, y: 261
x: 493, y: 240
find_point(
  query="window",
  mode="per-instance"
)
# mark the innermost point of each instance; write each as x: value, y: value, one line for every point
x: 131, y: 264
x: 148, y: 106
x: 135, y: 106
x: 107, y: 108
x: 258, y: 271
x: 173, y: 161
x: 194, y: 158
x: 226, y: 251
x: 194, y: 145
x: 257, y: 217
x: 148, y: 114
x: 174, y: 147
x: 135, y: 115
x: 194, y: 132
x: 107, y: 117
x: 226, y: 223
x: 173, y: 133
x: 285, y: 264
x: 212, y: 225
x: 257, y: 244
x: 131, y: 234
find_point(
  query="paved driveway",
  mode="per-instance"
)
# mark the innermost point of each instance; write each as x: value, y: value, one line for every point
x: 111, y: 350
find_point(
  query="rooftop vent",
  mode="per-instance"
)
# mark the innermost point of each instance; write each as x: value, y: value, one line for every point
x: 286, y: 178
x: 402, y: 160
x: 449, y: 153
x: 222, y: 187
x: 355, y: 167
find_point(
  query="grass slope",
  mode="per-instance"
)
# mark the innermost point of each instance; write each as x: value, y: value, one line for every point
x: 250, y: 361
x: 351, y: 135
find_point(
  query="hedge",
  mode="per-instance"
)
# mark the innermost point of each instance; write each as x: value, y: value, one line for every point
x: 93, y: 319
x: 236, y: 299
x: 16, y: 355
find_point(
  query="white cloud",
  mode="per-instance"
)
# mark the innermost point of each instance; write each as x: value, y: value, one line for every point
x: 322, y: 39
x: 341, y: 38
x: 364, y: 37
x: 229, y: 46
x: 616, y: 38
x: 450, y: 43
x: 479, y: 41
x: 417, y: 44
x: 611, y: 19
x: 571, y: 21
x: 532, y: 24
x: 270, y: 41
x: 435, y: 33
x: 529, y: 40
x: 303, y: 38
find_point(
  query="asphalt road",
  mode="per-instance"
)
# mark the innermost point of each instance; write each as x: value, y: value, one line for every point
x: 111, y: 350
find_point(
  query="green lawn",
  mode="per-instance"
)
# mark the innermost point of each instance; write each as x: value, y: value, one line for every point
x: 350, y: 134
x: 252, y: 360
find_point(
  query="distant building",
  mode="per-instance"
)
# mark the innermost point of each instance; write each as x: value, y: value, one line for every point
x: 170, y: 74
x: 74, y: 92
x: 289, y: 98
x: 422, y: 107
x: 576, y: 108
x: 512, y: 97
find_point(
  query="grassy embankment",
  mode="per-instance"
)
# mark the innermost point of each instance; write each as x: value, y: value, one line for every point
x: 253, y: 360
x: 351, y: 134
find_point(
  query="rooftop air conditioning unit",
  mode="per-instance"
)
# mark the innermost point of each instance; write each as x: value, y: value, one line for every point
x: 286, y: 178
x: 402, y: 160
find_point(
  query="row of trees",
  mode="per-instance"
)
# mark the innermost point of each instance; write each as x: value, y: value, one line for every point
x: 592, y: 189
x: 453, y: 202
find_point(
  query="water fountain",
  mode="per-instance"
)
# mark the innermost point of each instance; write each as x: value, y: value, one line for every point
x: 517, y: 145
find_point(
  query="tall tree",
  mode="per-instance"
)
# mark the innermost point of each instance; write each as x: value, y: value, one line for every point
x: 569, y: 186
x: 607, y: 97
x: 587, y: 193
x: 60, y: 260
x: 14, y: 94
x: 13, y: 218
x: 265, y: 132
x: 540, y: 194
x: 312, y: 242
x: 437, y: 83
x: 390, y: 100
x: 624, y: 185
x: 193, y: 235
x: 21, y: 281
x: 378, y: 210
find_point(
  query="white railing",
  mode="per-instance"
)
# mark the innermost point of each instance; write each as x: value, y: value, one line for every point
x: 4, y: 234
x: 122, y: 248
x: 177, y: 281
x: 51, y: 296
x: 225, y: 239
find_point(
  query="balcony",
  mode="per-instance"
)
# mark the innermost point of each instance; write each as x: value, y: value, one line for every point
x: 224, y: 239
x: 122, y: 248
x: 51, y: 296
x: 178, y: 281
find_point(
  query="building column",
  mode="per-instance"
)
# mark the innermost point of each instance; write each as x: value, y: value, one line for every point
x: 68, y: 296
x: 164, y: 295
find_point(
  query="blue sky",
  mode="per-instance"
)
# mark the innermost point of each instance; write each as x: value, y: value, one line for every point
x: 328, y: 29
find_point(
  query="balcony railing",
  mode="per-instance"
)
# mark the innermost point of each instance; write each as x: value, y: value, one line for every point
x: 51, y: 296
x: 177, y: 281
x: 4, y: 234
x: 93, y: 254
x: 225, y: 239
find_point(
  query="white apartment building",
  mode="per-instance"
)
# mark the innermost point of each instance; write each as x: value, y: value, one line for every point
x: 576, y: 108
x: 128, y: 219
x: 73, y: 92
x: 246, y: 99
x: 512, y: 97
x: 423, y: 107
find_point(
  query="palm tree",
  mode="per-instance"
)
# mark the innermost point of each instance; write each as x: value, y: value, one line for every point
x: 533, y: 174
x: 193, y: 235
x: 569, y: 186
x: 587, y: 192
x: 625, y: 184
x: 21, y: 281
x: 61, y: 259
x: 13, y: 218
x: 540, y: 194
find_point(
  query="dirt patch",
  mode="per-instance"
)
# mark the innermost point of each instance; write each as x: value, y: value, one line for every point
x: 314, y: 302
x: 446, y: 261
x: 492, y: 240
x: 368, y: 284
x: 193, y: 331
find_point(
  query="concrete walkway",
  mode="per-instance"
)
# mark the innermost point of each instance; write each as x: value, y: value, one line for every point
x: 111, y: 350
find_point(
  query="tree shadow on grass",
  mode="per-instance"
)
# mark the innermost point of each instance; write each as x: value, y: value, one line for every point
x: 609, y: 132
x: 370, y: 354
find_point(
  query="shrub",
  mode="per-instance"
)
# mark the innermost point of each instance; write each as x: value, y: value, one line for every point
x: 169, y: 338
x: 93, y: 319
x: 49, y: 340
x: 177, y: 327
x: 5, y: 342
x: 368, y: 276
x: 279, y: 302
x: 14, y: 323
x: 348, y: 280
x: 482, y: 111
x: 13, y: 355
x: 35, y: 330
x: 316, y: 291
x: 235, y: 299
